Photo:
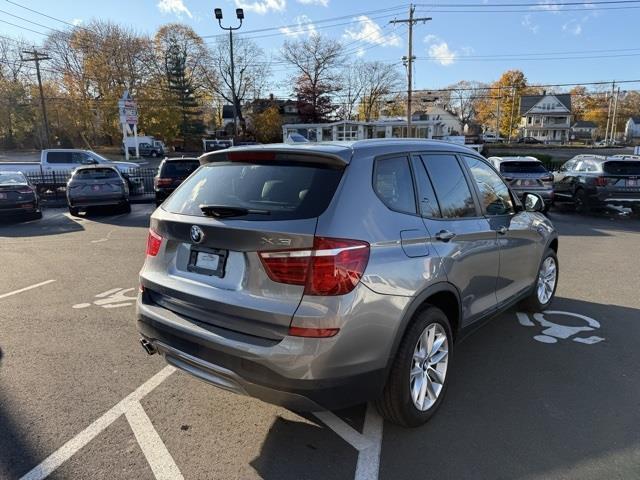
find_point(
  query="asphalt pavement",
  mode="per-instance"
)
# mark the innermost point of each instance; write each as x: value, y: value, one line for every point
x: 553, y: 396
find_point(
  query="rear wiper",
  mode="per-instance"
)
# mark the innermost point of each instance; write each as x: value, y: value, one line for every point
x: 224, y: 211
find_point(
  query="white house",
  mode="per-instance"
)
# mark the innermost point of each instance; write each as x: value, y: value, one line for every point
x: 632, y: 129
x: 546, y: 117
x: 583, y: 130
x: 451, y: 125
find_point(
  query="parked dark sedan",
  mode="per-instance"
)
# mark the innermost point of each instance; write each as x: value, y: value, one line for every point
x: 596, y: 181
x: 530, y: 140
x: 18, y: 197
x: 524, y: 175
x: 172, y: 172
x: 96, y: 186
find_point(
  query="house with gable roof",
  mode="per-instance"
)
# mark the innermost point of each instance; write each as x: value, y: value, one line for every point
x: 546, y: 117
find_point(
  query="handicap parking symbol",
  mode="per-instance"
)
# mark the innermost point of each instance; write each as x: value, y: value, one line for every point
x: 553, y: 332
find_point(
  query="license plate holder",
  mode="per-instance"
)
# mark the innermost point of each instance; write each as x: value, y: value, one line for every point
x: 207, y: 261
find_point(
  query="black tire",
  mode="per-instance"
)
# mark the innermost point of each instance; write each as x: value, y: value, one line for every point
x: 581, y: 201
x: 74, y: 211
x: 395, y: 403
x: 126, y: 208
x: 532, y: 303
x: 547, y: 207
x: 154, y: 154
x: 37, y: 215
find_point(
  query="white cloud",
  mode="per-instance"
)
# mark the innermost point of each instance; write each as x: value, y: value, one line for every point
x: 262, y: 6
x: 439, y: 51
x: 573, y: 26
x: 176, y: 7
x: 529, y: 25
x: 76, y: 21
x: 304, y: 27
x: 370, y: 32
x: 324, y: 3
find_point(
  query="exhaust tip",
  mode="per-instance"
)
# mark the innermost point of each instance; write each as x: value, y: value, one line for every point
x: 148, y: 346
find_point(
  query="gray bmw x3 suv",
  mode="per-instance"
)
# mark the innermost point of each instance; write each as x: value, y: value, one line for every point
x: 323, y: 275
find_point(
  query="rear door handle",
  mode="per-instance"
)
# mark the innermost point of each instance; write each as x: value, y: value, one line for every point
x: 503, y: 230
x: 445, y: 235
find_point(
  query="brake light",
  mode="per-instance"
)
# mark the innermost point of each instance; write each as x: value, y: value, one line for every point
x: 601, y: 181
x: 333, y: 267
x: 548, y: 178
x: 163, y: 182
x: 25, y: 191
x: 154, y: 241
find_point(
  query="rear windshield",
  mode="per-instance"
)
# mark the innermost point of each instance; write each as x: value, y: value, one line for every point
x: 280, y: 191
x: 622, y: 168
x: 522, y: 167
x: 179, y: 169
x: 96, y: 174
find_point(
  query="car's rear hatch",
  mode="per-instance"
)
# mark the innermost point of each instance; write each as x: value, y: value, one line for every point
x: 621, y: 178
x: 526, y: 174
x: 213, y: 226
x: 92, y: 183
x: 11, y: 194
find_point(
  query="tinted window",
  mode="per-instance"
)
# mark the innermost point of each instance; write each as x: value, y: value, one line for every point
x: 96, y: 174
x: 522, y: 167
x: 393, y: 183
x: 280, y: 191
x: 567, y: 167
x: 450, y: 185
x: 622, y: 168
x: 12, y: 178
x: 494, y: 193
x: 59, y: 157
x: 426, y: 196
x: 179, y: 169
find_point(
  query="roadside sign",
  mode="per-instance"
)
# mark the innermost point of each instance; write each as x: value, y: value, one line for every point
x: 128, y: 109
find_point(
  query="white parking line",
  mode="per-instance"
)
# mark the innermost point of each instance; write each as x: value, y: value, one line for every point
x: 154, y: 449
x: 344, y: 430
x: 368, y: 464
x: 64, y: 453
x: 30, y: 287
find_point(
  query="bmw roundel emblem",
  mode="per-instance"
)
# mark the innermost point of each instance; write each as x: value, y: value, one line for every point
x: 197, y: 235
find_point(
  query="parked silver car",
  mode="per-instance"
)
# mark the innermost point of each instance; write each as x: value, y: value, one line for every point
x: 97, y: 186
x: 526, y: 174
x: 323, y: 275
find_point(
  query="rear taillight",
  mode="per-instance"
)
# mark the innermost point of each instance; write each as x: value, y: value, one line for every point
x: 601, y: 181
x: 25, y: 191
x: 548, y: 178
x: 333, y: 267
x: 154, y: 240
x: 163, y: 182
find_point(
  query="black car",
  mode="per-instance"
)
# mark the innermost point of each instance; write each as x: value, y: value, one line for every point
x: 592, y: 181
x: 18, y: 197
x: 172, y: 172
x: 530, y: 140
x: 147, y: 150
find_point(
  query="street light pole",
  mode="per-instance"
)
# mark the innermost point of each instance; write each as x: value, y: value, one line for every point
x: 240, y: 16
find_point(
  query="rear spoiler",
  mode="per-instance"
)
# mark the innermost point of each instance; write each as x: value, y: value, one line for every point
x: 260, y: 155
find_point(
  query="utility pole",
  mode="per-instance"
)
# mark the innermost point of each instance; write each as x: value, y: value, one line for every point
x: 234, y: 95
x: 498, y: 112
x: 615, y: 114
x: 411, y: 21
x: 37, y: 57
x: 606, y: 132
x: 513, y: 104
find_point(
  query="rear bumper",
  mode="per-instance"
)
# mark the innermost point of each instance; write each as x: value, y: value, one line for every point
x: 616, y: 198
x: 96, y: 202
x: 275, y: 371
x: 19, y: 208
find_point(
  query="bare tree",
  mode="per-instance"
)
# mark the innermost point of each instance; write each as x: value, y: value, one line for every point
x: 378, y: 81
x: 251, y: 72
x: 317, y: 60
x: 463, y: 99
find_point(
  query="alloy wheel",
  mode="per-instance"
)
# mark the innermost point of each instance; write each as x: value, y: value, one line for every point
x: 547, y: 280
x: 429, y: 367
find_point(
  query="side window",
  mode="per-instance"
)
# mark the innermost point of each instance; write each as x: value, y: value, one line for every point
x: 80, y: 158
x: 567, y: 167
x: 427, y: 200
x: 393, y: 184
x: 494, y: 194
x: 59, y: 157
x: 450, y: 185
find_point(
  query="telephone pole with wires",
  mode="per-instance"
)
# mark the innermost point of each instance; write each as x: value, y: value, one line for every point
x: 37, y: 57
x: 411, y: 21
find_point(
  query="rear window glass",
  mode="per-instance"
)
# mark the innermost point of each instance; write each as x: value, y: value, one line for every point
x: 622, y: 168
x: 280, y: 191
x: 179, y: 169
x: 522, y: 167
x: 12, y: 178
x: 96, y: 173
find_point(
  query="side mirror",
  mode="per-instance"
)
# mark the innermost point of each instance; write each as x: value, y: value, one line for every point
x: 533, y: 202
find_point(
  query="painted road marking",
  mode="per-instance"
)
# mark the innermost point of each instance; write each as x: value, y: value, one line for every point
x: 64, y: 453
x: 154, y: 449
x: 30, y: 287
x: 344, y: 430
x: 554, y: 331
x: 368, y: 464
x: 114, y: 298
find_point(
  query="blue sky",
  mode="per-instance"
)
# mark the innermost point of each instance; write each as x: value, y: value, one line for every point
x: 464, y: 43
